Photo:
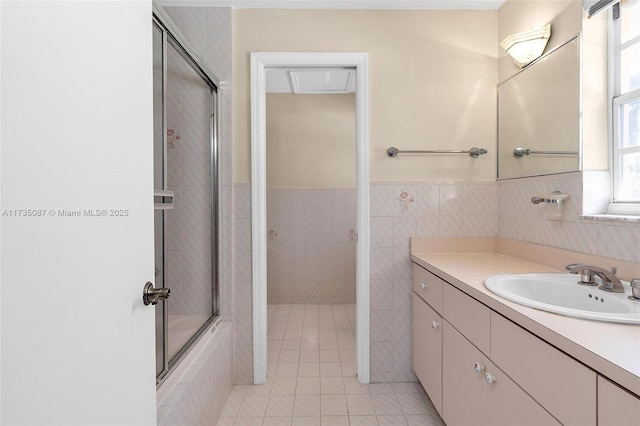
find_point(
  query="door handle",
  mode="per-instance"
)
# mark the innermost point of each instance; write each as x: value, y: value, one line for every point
x: 151, y: 295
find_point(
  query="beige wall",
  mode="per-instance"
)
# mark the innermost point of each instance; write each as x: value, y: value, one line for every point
x: 311, y: 141
x: 517, y: 16
x: 432, y: 81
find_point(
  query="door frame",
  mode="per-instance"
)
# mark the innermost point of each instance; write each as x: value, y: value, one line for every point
x: 260, y: 63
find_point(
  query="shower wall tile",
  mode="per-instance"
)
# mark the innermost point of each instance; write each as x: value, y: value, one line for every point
x: 197, y: 267
x: 175, y: 267
x: 197, y: 202
x: 209, y: 31
x: 197, y: 298
x: 175, y: 13
x: 197, y: 233
x: 219, y: 22
x: 194, y: 15
x: 175, y: 302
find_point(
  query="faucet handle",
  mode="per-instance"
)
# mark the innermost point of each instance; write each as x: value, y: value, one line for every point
x: 570, y: 267
x: 614, y: 270
x: 635, y: 289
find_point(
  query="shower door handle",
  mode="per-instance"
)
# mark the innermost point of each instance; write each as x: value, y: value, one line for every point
x: 151, y: 295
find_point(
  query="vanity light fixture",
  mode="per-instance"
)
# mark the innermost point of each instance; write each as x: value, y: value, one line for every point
x: 528, y: 46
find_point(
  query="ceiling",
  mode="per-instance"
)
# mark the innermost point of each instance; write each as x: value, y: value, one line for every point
x: 341, y: 4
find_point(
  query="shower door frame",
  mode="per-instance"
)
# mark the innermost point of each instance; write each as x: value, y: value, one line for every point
x: 171, y: 35
x: 260, y: 63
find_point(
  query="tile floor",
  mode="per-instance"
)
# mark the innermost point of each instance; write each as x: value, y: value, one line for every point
x: 311, y: 378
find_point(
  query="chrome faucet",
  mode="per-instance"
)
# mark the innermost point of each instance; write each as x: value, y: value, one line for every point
x: 609, y: 280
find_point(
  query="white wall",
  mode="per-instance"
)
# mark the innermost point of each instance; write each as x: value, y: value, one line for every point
x: 78, y: 344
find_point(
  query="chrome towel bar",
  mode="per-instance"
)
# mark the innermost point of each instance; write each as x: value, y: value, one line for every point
x: 474, y: 152
x: 520, y: 152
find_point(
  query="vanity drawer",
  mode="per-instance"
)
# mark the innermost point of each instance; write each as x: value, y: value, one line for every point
x: 616, y: 406
x: 428, y: 287
x: 468, y: 316
x: 566, y: 388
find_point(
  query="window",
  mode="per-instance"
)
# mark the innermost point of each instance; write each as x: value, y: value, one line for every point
x: 625, y: 79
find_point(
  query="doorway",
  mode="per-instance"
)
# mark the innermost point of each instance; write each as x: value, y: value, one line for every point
x: 260, y: 64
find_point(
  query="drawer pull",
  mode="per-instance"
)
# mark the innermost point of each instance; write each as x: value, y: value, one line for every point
x: 423, y: 286
x: 435, y: 324
x: 478, y: 368
x: 490, y: 378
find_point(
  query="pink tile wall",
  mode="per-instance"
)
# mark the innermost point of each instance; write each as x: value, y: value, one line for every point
x: 242, y: 287
x: 399, y: 212
x: 519, y: 219
x: 209, y: 31
x: 200, y: 394
x: 311, y: 247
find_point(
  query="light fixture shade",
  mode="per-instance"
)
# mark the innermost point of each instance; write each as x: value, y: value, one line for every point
x: 528, y: 46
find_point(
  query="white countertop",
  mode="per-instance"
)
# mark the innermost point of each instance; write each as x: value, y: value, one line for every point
x: 611, y: 349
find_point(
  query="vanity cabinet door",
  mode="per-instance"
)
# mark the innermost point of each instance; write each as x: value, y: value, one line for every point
x: 427, y: 349
x: 469, y: 399
x: 559, y: 383
x: 616, y: 406
x: 465, y: 400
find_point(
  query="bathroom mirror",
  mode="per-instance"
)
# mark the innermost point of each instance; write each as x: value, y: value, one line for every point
x: 539, y: 113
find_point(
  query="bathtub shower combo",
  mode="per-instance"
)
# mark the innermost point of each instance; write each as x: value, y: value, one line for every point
x: 185, y: 198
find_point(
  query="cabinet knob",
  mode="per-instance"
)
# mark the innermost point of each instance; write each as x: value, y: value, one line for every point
x: 478, y: 368
x: 423, y: 286
x: 490, y: 378
x: 435, y: 324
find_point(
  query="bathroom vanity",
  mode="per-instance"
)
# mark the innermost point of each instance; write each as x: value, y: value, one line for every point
x: 486, y: 361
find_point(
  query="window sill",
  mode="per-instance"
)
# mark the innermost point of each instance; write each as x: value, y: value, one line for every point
x: 612, y: 218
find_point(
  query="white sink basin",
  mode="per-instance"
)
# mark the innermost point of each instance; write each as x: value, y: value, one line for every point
x: 561, y: 293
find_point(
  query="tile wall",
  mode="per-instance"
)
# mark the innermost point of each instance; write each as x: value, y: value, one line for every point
x: 201, y: 392
x: 209, y: 32
x: 242, y: 286
x: 311, y: 246
x: 398, y: 212
x: 521, y: 220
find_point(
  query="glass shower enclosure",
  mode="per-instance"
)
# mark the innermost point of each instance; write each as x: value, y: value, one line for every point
x: 185, y: 198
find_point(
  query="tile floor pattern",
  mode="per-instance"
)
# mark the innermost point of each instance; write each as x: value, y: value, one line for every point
x: 311, y: 378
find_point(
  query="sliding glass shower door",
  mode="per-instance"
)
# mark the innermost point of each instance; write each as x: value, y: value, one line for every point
x: 185, y: 179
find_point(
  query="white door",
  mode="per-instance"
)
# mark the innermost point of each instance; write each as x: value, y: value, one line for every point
x: 77, y: 213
